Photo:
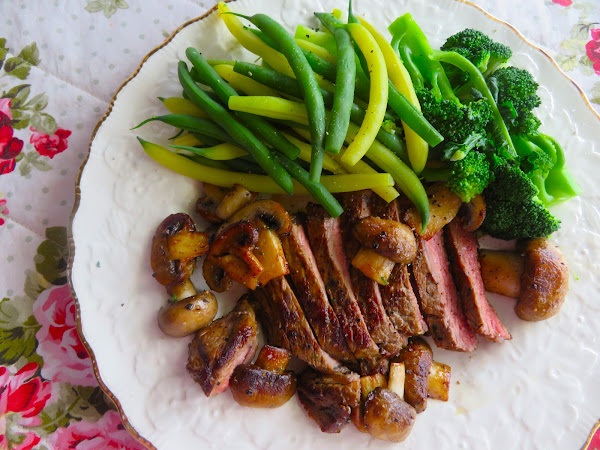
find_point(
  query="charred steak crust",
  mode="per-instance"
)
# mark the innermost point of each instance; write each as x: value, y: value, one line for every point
x: 310, y: 292
x: 329, y: 399
x: 325, y: 237
x: 439, y: 299
x: 462, y: 248
x: 301, y: 341
x: 358, y: 205
x: 220, y: 347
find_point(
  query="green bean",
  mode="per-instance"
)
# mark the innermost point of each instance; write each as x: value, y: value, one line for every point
x: 289, y: 86
x: 240, y: 134
x: 413, y: 117
x: 207, y: 75
x: 344, y: 93
x: 308, y: 83
x: 206, y: 140
x: 316, y: 189
x: 191, y: 123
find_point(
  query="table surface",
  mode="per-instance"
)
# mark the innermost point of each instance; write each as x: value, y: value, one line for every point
x: 61, y: 62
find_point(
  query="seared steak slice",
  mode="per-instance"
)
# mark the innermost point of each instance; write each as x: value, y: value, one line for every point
x: 329, y: 399
x: 357, y: 205
x: 272, y: 329
x: 286, y: 311
x: 399, y: 299
x: 370, y: 302
x: 462, y: 250
x: 401, y: 304
x: 325, y: 237
x: 310, y: 292
x: 439, y: 299
x: 220, y: 347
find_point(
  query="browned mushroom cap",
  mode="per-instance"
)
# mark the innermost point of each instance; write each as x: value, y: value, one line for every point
x: 259, y: 388
x: 207, y: 204
x: 215, y: 276
x: 233, y: 251
x: 389, y: 238
x: 271, y: 213
x: 189, y: 315
x: 387, y: 416
x: 472, y: 214
x: 544, y: 281
x: 236, y: 199
x: 168, y: 271
x: 417, y: 358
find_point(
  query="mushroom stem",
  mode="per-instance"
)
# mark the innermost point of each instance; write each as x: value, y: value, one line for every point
x: 182, y: 290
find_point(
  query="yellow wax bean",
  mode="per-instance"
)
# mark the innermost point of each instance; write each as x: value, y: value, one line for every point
x: 179, y: 105
x: 378, y: 94
x: 416, y: 146
x: 273, y: 107
x: 242, y: 83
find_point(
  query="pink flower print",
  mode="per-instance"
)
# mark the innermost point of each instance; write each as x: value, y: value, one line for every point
x: 65, y: 357
x: 107, y: 433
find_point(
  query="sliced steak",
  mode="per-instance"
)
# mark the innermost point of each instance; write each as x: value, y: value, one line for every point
x: 311, y: 294
x: 401, y: 304
x: 329, y: 399
x: 439, y: 299
x: 272, y: 329
x: 399, y: 299
x: 325, y: 237
x: 220, y: 347
x: 357, y: 205
x: 462, y: 248
x: 287, y: 313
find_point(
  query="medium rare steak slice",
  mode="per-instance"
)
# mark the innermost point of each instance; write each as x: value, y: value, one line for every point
x: 329, y: 399
x: 220, y: 347
x: 439, y: 299
x: 399, y: 299
x: 286, y: 311
x: 462, y: 248
x: 311, y: 294
x: 357, y: 205
x: 401, y: 303
x: 325, y: 237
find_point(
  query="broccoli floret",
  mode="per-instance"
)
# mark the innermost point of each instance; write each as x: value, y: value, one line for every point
x: 517, y: 97
x: 470, y: 175
x: 478, y: 48
x: 454, y: 121
x: 513, y: 210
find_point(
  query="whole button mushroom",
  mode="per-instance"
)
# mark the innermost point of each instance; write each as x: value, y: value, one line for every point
x: 544, y: 281
x: 387, y: 416
x: 389, y: 238
x: 187, y: 316
x: 538, y: 277
x: 175, y: 247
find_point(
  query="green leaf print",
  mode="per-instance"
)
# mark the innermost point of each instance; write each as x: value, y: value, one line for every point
x: 44, y: 123
x: 30, y: 54
x: 16, y: 67
x: 567, y: 62
x: 18, y: 94
x: 3, y: 51
x: 17, y: 334
x: 52, y: 255
x: 108, y: 7
x: 38, y: 102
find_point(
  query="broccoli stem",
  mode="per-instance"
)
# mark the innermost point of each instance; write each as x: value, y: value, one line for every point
x: 480, y: 84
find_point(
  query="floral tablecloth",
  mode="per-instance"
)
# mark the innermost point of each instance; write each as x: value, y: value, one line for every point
x: 61, y: 61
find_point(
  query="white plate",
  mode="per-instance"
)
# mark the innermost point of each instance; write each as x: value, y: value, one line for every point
x: 539, y: 390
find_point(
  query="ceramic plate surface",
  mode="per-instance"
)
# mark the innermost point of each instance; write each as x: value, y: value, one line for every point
x: 539, y: 390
